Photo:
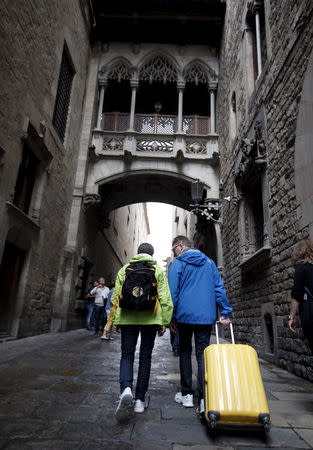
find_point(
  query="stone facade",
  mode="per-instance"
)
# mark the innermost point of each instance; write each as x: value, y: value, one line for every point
x: 33, y: 39
x: 265, y: 148
x: 34, y: 251
x: 258, y: 164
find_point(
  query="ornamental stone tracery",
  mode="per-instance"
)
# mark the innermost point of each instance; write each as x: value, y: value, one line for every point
x: 196, y: 74
x: 159, y: 68
x: 120, y: 70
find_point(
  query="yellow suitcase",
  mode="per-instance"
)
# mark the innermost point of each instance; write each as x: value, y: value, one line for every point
x: 234, y: 394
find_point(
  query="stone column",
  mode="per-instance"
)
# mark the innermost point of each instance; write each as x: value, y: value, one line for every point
x: 134, y: 85
x: 255, y: 8
x: 212, y: 90
x: 102, y: 84
x: 180, y: 88
x: 258, y: 41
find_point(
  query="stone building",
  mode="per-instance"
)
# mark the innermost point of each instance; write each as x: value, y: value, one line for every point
x: 45, y: 55
x: 264, y: 123
x: 111, y: 104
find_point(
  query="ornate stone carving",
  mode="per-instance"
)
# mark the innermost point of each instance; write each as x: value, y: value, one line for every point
x: 253, y: 152
x: 113, y: 144
x: 196, y: 147
x: 91, y: 200
x: 147, y: 145
x: 135, y: 48
x: 120, y: 70
x: 158, y: 68
x: 198, y: 73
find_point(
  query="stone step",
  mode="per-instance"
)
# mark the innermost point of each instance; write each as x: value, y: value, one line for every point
x: 4, y: 337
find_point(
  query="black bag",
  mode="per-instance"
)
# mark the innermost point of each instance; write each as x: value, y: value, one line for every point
x: 139, y: 290
x: 306, y: 314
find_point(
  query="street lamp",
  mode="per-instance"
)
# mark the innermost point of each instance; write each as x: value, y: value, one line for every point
x: 209, y: 210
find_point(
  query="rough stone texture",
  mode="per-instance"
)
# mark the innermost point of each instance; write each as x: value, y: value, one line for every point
x: 33, y: 36
x: 48, y: 402
x: 289, y: 27
x: 32, y: 43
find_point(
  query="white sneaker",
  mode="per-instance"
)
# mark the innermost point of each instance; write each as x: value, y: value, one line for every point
x: 185, y: 400
x: 140, y: 406
x: 201, y: 406
x: 124, y: 410
x: 105, y: 337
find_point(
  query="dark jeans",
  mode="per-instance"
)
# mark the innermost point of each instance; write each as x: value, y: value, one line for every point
x: 175, y: 339
x: 202, y: 335
x: 129, y: 337
x: 100, y: 318
x: 89, y: 311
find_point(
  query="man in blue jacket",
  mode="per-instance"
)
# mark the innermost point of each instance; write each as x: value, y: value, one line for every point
x: 196, y: 287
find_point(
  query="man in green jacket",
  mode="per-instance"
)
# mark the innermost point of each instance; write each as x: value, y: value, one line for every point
x: 146, y: 322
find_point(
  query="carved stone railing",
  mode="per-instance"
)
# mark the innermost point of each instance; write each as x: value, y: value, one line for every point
x: 105, y: 143
x: 156, y: 123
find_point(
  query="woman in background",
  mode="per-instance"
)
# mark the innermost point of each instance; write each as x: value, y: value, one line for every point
x: 302, y: 290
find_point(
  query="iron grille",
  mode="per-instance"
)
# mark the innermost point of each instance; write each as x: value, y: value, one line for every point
x: 63, y: 96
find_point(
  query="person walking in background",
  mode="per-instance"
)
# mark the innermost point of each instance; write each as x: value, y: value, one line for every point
x: 90, y: 303
x: 101, y: 294
x: 302, y: 290
x: 196, y: 287
x: 144, y: 306
x: 107, y: 336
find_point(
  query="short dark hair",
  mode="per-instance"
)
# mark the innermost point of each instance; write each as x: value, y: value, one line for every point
x: 181, y: 240
x: 146, y: 248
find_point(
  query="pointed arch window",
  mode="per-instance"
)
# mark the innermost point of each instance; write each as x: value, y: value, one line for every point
x: 158, y: 68
x: 195, y: 74
x: 120, y: 71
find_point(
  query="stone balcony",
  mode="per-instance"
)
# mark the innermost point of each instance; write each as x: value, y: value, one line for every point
x: 155, y: 135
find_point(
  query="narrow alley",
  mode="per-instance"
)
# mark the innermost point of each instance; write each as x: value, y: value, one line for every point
x: 60, y: 390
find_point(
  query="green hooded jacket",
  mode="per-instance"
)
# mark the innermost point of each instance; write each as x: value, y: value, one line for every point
x: 165, y: 308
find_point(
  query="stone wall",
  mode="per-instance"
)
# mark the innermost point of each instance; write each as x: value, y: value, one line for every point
x: 277, y: 92
x: 33, y: 38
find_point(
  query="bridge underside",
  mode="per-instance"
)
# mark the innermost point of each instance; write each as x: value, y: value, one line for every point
x: 145, y: 188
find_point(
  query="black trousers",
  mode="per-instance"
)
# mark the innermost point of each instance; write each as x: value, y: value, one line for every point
x: 129, y: 337
x: 202, y: 334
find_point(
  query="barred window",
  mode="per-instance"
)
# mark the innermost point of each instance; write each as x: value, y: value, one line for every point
x: 63, y: 96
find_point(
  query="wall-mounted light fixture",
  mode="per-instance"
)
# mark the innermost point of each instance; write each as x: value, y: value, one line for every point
x: 209, y: 209
x: 157, y: 107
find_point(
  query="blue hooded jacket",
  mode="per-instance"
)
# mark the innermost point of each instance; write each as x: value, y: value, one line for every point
x: 196, y: 286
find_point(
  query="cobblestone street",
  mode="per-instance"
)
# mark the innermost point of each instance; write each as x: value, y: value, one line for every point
x: 59, y: 391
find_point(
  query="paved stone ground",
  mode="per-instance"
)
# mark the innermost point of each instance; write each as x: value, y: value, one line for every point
x: 59, y: 391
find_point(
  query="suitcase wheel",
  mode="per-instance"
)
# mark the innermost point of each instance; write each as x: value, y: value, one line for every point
x: 213, y: 417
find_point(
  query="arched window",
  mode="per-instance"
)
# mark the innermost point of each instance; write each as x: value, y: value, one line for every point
x: 120, y: 70
x: 158, y: 68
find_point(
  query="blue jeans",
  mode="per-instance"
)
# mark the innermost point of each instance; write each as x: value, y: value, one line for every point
x: 100, y: 318
x: 129, y: 337
x: 202, y: 335
x: 90, y: 307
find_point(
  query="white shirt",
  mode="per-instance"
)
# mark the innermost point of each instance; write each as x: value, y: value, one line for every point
x: 101, y: 294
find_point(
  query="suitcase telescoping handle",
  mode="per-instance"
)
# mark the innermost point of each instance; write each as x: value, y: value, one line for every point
x: 231, y: 332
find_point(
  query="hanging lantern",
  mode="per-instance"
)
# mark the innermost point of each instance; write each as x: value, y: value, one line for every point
x: 197, y: 191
